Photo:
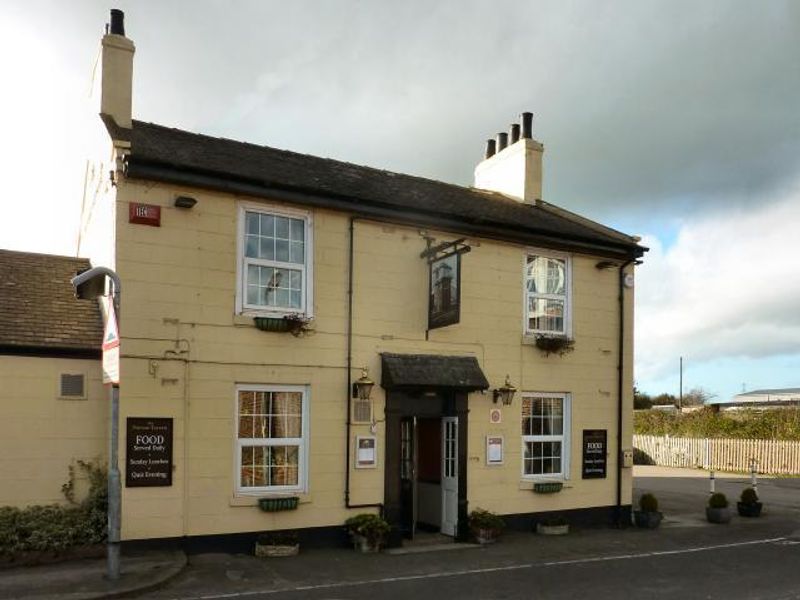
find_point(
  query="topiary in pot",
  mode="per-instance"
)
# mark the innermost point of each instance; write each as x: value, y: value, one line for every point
x: 367, y: 531
x: 647, y: 516
x: 748, y: 505
x: 485, y: 525
x: 717, y: 510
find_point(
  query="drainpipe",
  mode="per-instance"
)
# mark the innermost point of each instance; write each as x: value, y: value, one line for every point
x: 618, y: 521
x: 351, y: 260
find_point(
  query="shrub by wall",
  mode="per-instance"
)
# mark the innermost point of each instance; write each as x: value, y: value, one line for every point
x: 706, y: 423
x: 56, y: 528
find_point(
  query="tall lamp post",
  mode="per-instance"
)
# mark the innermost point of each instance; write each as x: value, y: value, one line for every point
x: 90, y: 285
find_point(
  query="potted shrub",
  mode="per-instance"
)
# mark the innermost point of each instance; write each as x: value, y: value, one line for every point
x: 367, y: 531
x: 717, y: 510
x: 748, y: 504
x: 277, y: 543
x: 647, y: 516
x: 485, y: 525
x: 557, y: 525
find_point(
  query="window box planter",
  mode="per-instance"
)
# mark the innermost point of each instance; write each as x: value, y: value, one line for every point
x: 554, y: 344
x: 547, y: 487
x: 277, y: 504
x: 552, y: 528
x: 276, y: 324
x: 281, y: 543
x: 276, y: 550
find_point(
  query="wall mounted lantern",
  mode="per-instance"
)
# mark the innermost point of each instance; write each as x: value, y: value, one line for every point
x: 362, y: 387
x: 504, y: 394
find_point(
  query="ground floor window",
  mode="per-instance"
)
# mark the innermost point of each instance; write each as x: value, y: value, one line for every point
x: 545, y: 435
x: 271, y: 438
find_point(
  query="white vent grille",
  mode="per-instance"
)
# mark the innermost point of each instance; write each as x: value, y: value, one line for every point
x: 362, y: 412
x: 72, y: 385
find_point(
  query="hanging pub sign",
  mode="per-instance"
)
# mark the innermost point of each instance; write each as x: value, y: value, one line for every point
x: 444, y: 282
x: 148, y: 457
x: 595, y: 448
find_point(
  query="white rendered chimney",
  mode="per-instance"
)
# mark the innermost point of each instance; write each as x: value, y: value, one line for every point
x: 516, y: 169
x: 116, y: 87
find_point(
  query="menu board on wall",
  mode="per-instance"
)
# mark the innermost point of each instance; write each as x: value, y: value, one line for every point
x: 595, y: 448
x: 148, y: 457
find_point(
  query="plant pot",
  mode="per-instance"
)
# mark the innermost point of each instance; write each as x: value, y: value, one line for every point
x: 276, y: 504
x: 365, y: 545
x: 550, y: 487
x: 276, y: 550
x: 543, y: 529
x: 751, y: 509
x: 485, y: 536
x: 647, y: 520
x: 273, y: 324
x: 718, y: 515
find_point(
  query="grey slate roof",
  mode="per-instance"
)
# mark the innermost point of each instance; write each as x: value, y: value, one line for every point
x: 38, y: 309
x: 181, y: 157
x: 431, y: 371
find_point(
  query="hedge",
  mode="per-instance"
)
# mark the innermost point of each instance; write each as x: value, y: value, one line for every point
x: 55, y: 528
x: 706, y: 423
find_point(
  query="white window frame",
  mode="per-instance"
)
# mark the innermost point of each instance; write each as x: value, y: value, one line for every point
x: 565, y: 438
x: 307, y: 304
x: 302, y: 443
x: 567, y: 258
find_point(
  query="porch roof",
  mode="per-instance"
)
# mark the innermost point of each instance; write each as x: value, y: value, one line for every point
x: 432, y: 371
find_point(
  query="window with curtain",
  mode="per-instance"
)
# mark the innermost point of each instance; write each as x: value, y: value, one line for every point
x: 270, y: 438
x: 547, y: 283
x: 545, y: 435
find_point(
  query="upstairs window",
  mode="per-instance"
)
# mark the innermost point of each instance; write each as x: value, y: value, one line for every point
x: 275, y: 262
x: 547, y: 294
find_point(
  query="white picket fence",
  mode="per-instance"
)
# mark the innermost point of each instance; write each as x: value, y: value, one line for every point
x: 773, y: 457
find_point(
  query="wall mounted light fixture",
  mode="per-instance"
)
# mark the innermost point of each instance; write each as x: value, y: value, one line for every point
x: 504, y: 394
x: 362, y: 387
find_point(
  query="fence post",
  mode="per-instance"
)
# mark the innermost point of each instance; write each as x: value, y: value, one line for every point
x: 753, y: 480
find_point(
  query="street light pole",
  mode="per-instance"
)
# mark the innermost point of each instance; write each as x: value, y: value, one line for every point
x: 87, y: 286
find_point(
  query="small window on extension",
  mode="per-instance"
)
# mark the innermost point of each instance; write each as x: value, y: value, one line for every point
x: 73, y: 386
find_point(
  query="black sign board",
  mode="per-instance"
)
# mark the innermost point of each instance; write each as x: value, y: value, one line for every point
x: 148, y: 459
x: 595, y: 447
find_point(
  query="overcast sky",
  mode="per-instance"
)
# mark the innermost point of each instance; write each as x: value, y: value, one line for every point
x: 677, y: 121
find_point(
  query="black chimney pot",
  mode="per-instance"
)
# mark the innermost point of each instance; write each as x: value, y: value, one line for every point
x: 502, y: 141
x: 527, y: 125
x: 491, y: 148
x: 513, y: 133
x: 117, y: 22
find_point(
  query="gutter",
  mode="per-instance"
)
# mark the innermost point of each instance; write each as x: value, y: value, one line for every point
x: 152, y: 170
x: 618, y: 521
x: 348, y: 428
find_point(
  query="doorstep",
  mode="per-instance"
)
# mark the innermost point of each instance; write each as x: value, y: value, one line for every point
x: 411, y: 549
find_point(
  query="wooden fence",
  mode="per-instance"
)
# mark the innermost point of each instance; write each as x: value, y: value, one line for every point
x: 773, y: 457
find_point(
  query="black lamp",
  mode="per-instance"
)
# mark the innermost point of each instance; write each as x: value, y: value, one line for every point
x: 362, y: 387
x: 185, y: 202
x: 505, y: 393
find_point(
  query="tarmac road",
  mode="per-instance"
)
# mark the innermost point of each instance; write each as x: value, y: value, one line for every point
x: 687, y: 558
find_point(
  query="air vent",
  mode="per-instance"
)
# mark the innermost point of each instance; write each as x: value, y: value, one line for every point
x: 73, y: 386
x: 362, y: 412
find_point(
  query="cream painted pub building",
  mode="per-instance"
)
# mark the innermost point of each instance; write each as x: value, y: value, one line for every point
x: 263, y: 289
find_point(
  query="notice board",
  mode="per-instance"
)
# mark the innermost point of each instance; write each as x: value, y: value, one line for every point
x: 148, y: 456
x: 595, y: 450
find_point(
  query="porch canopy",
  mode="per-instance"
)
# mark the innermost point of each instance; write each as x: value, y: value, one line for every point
x: 407, y: 371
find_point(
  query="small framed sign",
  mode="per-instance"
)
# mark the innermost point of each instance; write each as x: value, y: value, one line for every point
x: 494, y: 449
x: 495, y: 416
x: 366, y: 452
x: 144, y: 214
x: 595, y: 448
